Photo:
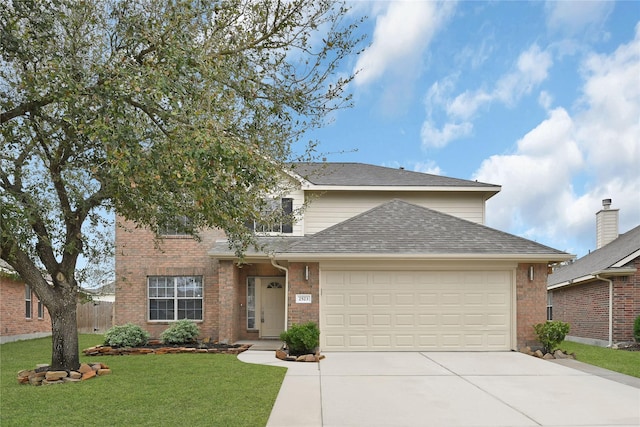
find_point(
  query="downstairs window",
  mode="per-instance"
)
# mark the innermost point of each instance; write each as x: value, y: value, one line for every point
x: 175, y: 297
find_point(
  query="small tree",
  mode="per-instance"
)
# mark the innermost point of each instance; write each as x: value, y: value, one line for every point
x: 551, y: 334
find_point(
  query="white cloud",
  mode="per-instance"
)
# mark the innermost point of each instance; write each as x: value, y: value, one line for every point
x: 427, y: 167
x: 437, y: 137
x: 600, y: 142
x: 402, y: 33
x: 531, y: 69
x: 574, y: 17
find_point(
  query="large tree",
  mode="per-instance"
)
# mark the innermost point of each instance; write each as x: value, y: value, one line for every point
x: 151, y: 109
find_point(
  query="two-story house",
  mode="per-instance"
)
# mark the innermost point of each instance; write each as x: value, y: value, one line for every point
x: 381, y: 258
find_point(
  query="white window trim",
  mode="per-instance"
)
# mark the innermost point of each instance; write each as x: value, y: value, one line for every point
x: 175, y: 299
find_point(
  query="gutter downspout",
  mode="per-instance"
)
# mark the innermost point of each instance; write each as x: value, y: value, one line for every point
x: 286, y: 289
x: 610, y: 307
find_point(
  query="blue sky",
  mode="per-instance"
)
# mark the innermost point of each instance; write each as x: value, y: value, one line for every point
x: 540, y: 98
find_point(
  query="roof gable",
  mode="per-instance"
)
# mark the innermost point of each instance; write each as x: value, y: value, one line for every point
x: 606, y: 258
x: 398, y: 227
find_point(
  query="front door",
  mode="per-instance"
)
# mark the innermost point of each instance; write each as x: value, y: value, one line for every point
x: 271, y: 307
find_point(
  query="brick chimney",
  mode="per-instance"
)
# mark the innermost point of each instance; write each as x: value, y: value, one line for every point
x: 606, y: 224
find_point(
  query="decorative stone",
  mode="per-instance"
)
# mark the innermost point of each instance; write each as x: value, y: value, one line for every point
x: 88, y: 375
x: 34, y: 380
x: 75, y: 375
x: 281, y: 354
x: 103, y: 372
x: 71, y: 380
x: 559, y: 354
x: 310, y: 358
x: 84, y: 368
x: 548, y: 356
x: 526, y: 350
x: 48, y: 382
x: 539, y: 354
x: 55, y: 375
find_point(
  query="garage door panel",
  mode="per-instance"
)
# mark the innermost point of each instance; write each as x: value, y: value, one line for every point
x: 421, y: 310
x: 359, y: 300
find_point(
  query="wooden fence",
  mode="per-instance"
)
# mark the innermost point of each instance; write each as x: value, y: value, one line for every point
x: 95, y: 317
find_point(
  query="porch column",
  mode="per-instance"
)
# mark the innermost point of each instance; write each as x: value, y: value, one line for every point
x: 229, y: 302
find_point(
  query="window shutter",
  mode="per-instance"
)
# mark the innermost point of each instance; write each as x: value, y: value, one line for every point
x: 287, y: 210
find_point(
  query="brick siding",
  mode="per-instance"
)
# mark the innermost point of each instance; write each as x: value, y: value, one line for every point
x: 531, y: 302
x: 12, y: 315
x: 586, y: 307
x: 138, y: 256
x: 298, y: 284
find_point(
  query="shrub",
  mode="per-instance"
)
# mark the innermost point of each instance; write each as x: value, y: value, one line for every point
x: 128, y: 335
x: 302, y: 339
x: 551, y: 334
x: 636, y: 329
x: 181, y: 332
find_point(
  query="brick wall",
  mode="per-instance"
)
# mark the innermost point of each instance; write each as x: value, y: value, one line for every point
x: 303, y: 313
x: 586, y: 307
x: 12, y: 315
x: 139, y: 256
x: 531, y: 302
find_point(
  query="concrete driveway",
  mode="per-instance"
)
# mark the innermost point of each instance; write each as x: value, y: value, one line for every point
x: 447, y: 389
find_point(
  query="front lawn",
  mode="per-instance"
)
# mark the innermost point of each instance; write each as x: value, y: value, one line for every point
x: 155, y: 390
x: 625, y: 362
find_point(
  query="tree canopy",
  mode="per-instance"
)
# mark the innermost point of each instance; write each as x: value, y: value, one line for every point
x: 151, y: 109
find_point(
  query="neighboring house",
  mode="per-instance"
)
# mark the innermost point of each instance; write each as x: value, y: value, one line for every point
x: 599, y: 294
x: 104, y: 293
x: 22, y: 315
x: 382, y: 259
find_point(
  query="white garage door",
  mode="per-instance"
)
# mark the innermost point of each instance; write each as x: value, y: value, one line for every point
x: 416, y: 310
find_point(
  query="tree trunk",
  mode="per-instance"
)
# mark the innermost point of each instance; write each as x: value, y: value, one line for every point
x: 64, y: 331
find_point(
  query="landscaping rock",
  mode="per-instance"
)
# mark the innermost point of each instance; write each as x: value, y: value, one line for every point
x: 548, y: 356
x: 103, y: 372
x: 539, y: 354
x: 55, y: 375
x: 281, y: 354
x: 526, y: 350
x: 84, y: 368
x: 88, y: 375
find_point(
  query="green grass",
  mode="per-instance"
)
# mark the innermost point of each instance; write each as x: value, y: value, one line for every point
x: 625, y: 362
x: 153, y: 390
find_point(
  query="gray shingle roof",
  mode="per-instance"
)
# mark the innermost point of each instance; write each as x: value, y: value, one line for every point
x: 398, y: 227
x: 360, y: 174
x: 266, y: 245
x: 600, y: 259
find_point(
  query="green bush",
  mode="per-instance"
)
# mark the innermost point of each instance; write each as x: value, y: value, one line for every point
x: 551, y: 334
x: 636, y: 329
x: 301, y: 339
x: 181, y: 332
x: 128, y: 335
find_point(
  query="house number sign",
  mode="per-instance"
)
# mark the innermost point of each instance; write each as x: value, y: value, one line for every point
x: 303, y: 298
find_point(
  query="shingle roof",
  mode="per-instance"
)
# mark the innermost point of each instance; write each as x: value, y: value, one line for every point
x: 266, y: 245
x: 360, y: 174
x: 398, y: 227
x: 600, y: 259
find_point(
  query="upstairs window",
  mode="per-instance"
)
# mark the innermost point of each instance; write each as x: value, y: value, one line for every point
x: 178, y: 227
x: 282, y: 210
